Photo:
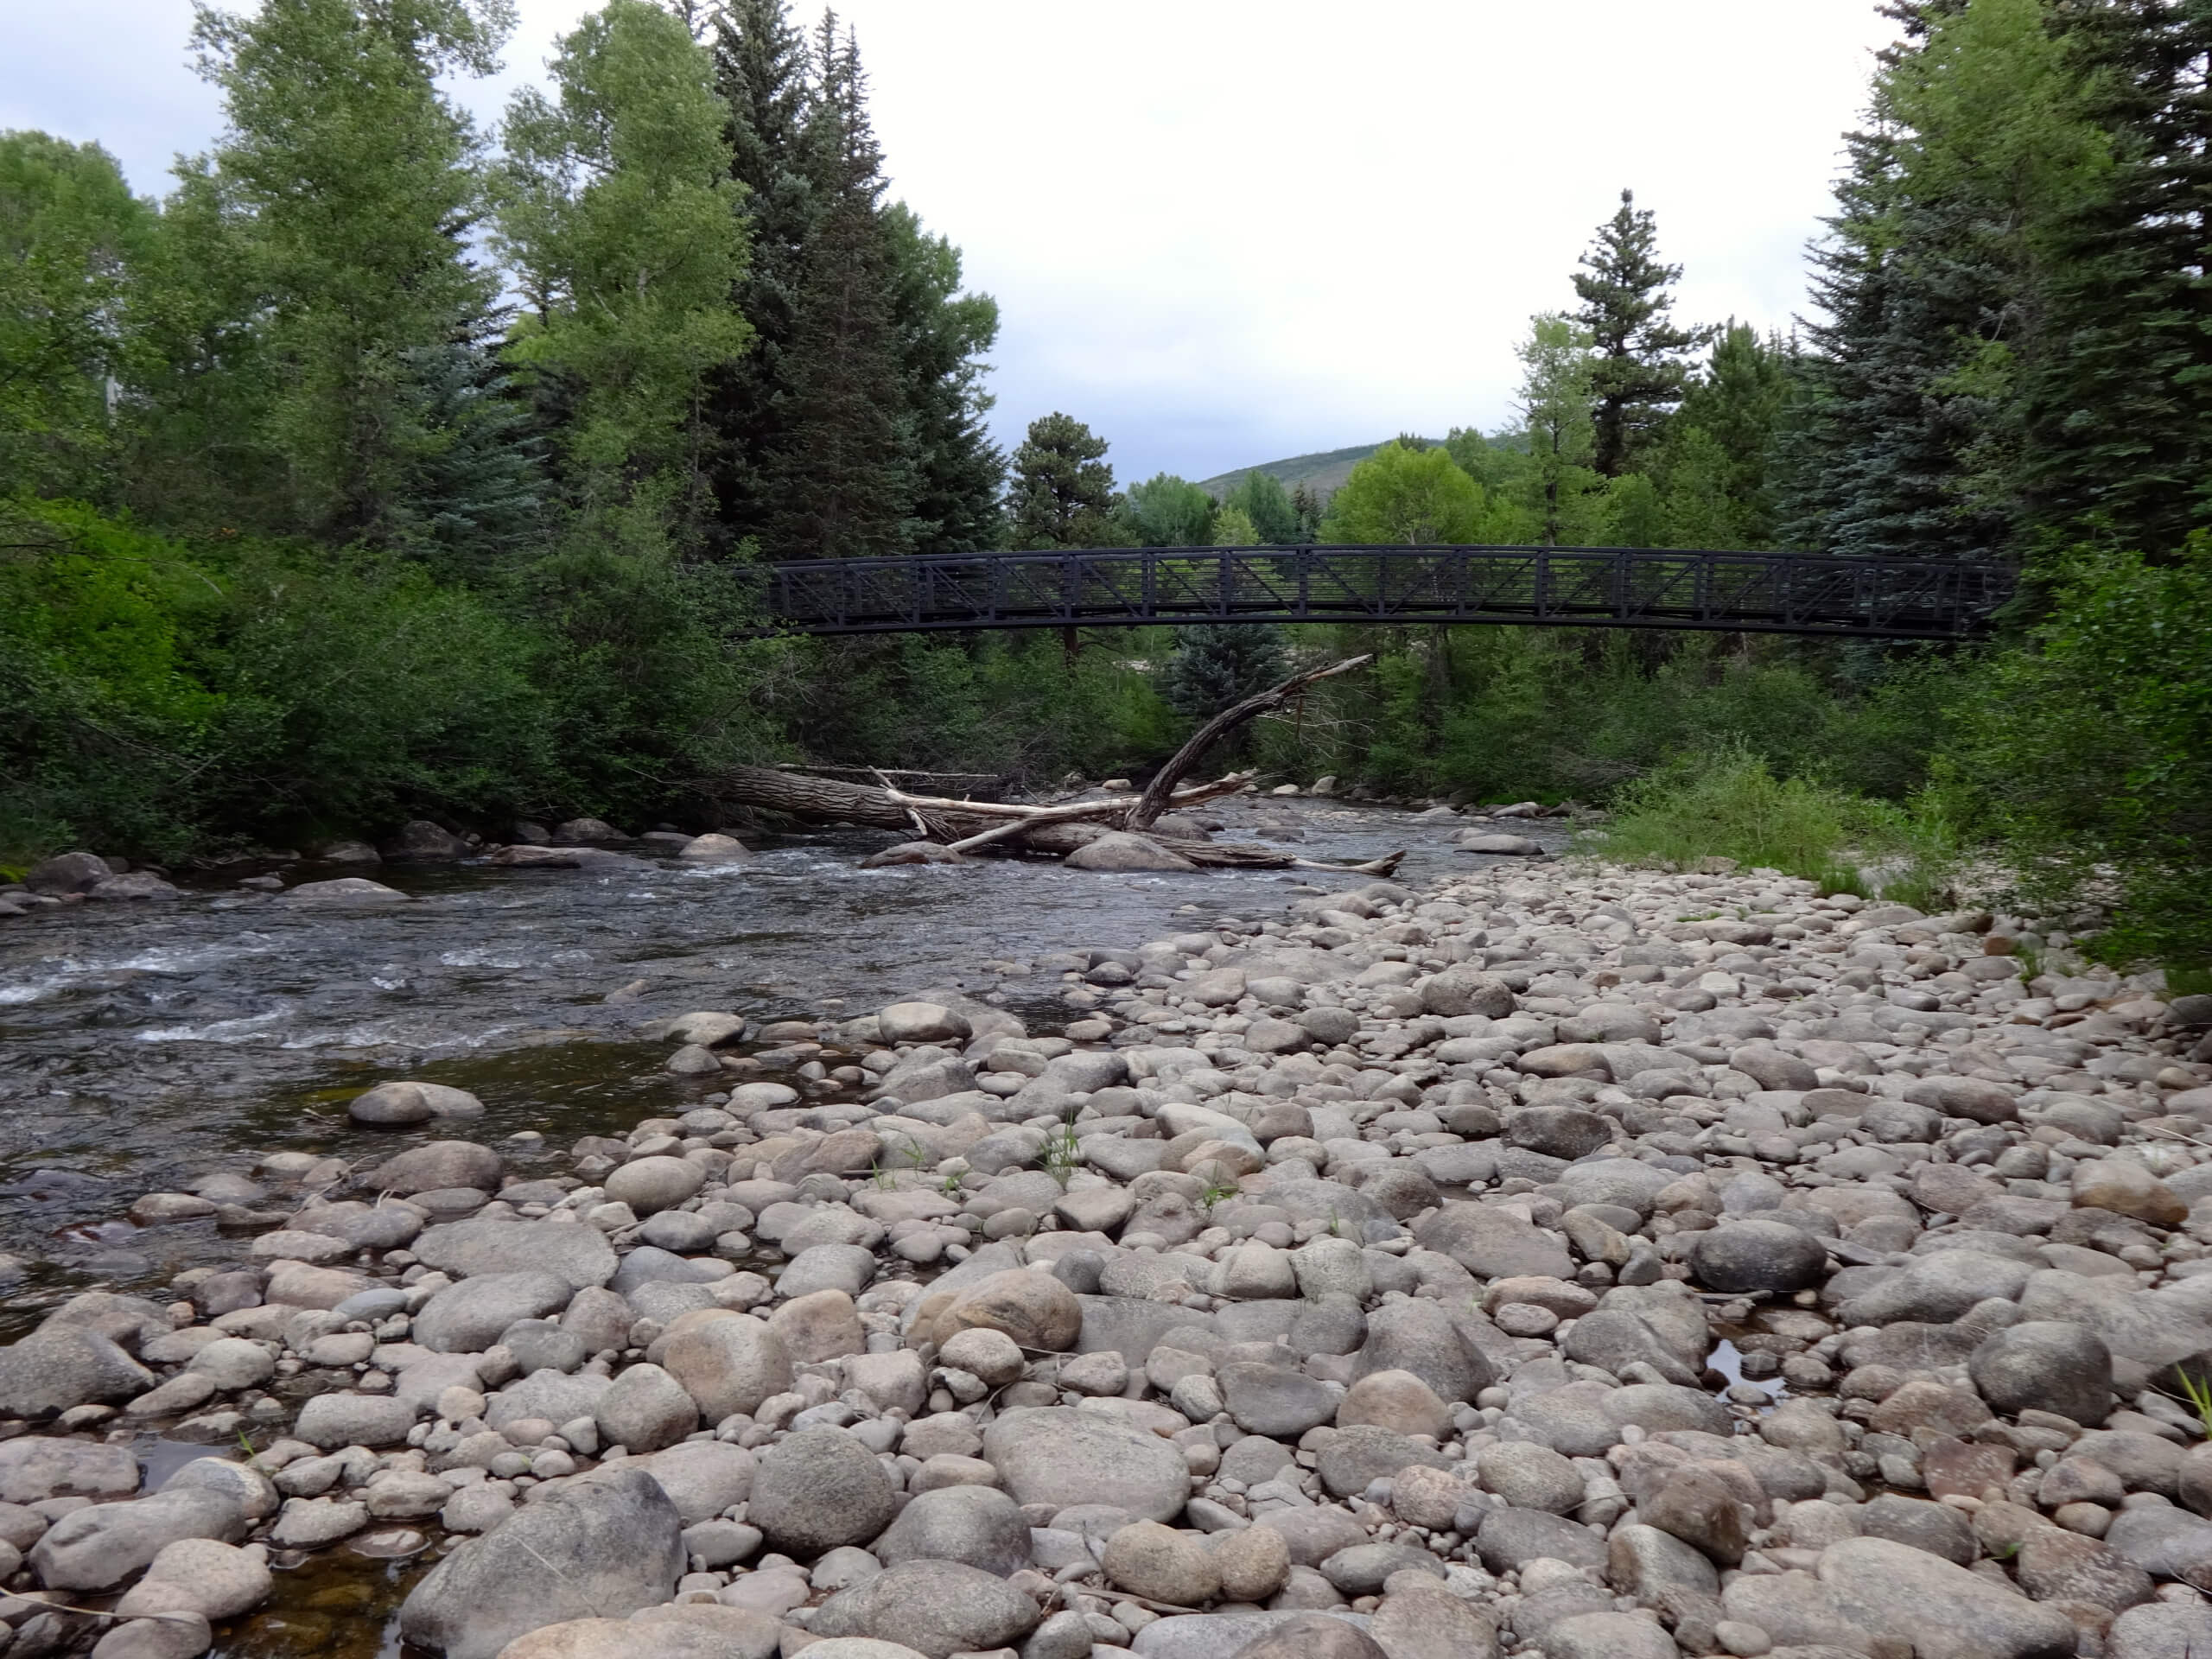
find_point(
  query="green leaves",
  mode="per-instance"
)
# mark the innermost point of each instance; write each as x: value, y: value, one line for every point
x: 617, y: 209
x: 1415, y: 496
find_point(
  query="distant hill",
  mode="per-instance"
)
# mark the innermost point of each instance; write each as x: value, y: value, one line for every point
x: 1320, y: 473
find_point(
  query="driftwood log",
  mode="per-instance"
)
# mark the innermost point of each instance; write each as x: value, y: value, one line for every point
x: 1054, y: 831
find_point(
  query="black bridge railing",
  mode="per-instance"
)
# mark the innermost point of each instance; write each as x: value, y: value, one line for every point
x: 1579, y: 587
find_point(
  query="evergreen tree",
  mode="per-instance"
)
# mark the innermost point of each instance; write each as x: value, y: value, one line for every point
x: 477, y: 476
x: 1932, y: 283
x: 1719, y: 466
x: 1640, y: 368
x: 838, y: 478
x: 959, y: 473
x: 2119, y: 415
x: 1217, y: 664
x: 760, y: 70
x: 1062, y: 494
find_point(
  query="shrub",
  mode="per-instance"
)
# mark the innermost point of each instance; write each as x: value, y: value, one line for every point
x: 2087, y: 755
x: 1725, y: 802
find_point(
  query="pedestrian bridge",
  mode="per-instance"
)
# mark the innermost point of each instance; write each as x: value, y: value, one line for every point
x: 1560, y: 587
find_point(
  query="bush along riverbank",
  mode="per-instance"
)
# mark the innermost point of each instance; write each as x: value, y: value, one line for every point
x: 1565, y: 1258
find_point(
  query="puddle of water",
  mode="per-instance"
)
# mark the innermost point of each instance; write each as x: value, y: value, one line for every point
x: 335, y: 1604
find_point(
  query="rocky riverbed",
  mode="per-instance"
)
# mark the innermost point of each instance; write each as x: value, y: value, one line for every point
x: 1553, y: 1258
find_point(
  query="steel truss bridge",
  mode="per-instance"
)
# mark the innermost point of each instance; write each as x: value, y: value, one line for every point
x: 1560, y: 586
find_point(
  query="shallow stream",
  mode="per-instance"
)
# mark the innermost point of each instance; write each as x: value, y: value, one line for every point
x: 145, y: 1046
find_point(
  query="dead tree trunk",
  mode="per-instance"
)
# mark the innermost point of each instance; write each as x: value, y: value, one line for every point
x: 1055, y: 831
x: 1155, y: 798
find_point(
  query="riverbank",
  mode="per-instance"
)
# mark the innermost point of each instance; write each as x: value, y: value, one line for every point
x: 1545, y: 1257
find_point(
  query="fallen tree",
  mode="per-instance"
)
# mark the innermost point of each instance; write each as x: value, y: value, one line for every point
x: 960, y: 825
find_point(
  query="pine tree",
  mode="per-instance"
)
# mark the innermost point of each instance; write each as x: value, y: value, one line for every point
x: 838, y: 479
x: 959, y: 473
x: 2119, y: 415
x: 1641, y: 366
x: 1062, y: 494
x: 478, y: 473
x: 761, y: 70
x: 1932, y: 282
x: 1719, y: 466
x: 1217, y: 664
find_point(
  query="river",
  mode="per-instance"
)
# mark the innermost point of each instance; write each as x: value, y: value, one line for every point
x: 146, y: 1047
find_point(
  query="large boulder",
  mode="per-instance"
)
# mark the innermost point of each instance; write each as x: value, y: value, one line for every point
x: 937, y: 1608
x: 467, y: 1318
x: 603, y: 1545
x: 1059, y: 1456
x: 1493, y: 1243
x: 440, y: 1164
x: 1034, y: 1308
x: 1944, y: 1611
x: 579, y: 1252
x: 58, y: 1366
x: 399, y: 1104
x: 105, y: 1544
x: 727, y: 1361
x: 1117, y: 849
x: 34, y: 1469
x: 818, y: 1490
x: 979, y: 1525
x: 66, y: 873
x: 1768, y: 1258
x: 703, y: 1477
x: 2045, y: 1365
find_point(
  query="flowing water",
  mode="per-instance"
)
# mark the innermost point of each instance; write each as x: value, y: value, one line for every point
x: 145, y: 1046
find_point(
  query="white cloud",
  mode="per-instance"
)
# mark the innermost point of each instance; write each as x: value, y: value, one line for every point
x: 1222, y: 230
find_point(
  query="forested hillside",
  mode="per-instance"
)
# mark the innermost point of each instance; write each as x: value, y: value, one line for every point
x: 389, y: 466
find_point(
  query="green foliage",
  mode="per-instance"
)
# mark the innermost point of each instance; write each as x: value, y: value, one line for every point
x: 71, y: 238
x: 2090, y: 751
x: 615, y: 211
x: 168, y: 696
x: 1723, y: 802
x: 1011, y: 703
x: 338, y: 197
x: 1166, y: 510
x: 1399, y: 494
x: 1550, y: 714
x: 1062, y: 490
x: 1559, y: 388
x: 1638, y: 370
x: 1233, y: 527
x: 1267, y: 507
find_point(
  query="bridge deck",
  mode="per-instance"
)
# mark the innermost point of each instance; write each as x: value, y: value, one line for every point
x: 1579, y: 586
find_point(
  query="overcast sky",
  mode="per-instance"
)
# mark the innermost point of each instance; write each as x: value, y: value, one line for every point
x: 1226, y: 231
